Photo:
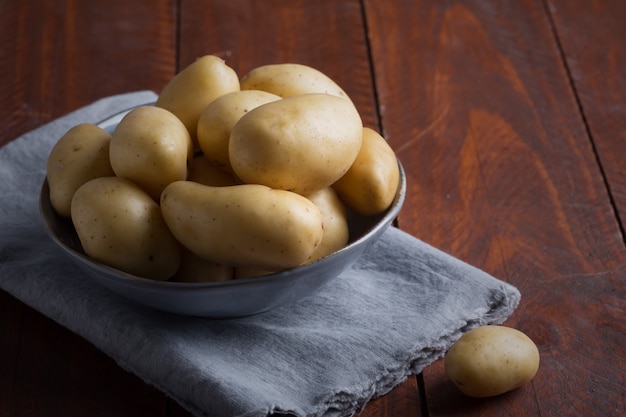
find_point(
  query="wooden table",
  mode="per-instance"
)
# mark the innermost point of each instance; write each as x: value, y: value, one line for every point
x: 509, y: 117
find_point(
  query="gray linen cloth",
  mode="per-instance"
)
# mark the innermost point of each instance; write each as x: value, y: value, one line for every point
x: 395, y: 312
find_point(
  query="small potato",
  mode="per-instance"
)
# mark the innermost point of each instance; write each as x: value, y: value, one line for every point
x: 243, y: 225
x: 192, y: 89
x: 150, y: 147
x: 334, y: 221
x: 289, y: 79
x: 301, y: 144
x: 204, y: 172
x: 195, y: 269
x: 371, y: 183
x: 218, y: 119
x: 120, y: 225
x: 80, y: 155
x: 491, y: 360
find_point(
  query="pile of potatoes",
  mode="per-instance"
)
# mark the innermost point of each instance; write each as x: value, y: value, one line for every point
x: 223, y: 177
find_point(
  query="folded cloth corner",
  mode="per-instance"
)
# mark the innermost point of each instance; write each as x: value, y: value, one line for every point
x: 398, y: 309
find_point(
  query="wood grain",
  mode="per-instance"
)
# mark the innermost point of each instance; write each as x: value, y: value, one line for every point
x: 60, y: 55
x: 596, y: 64
x: 507, y: 181
x: 57, y: 56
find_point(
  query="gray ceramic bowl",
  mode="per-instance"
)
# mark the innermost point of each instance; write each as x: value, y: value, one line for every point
x: 227, y: 299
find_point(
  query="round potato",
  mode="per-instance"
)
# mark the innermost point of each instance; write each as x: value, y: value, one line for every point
x: 243, y: 225
x: 301, y: 144
x: 150, y: 147
x: 334, y: 221
x: 290, y: 79
x: 218, y: 119
x: 120, y: 225
x: 371, y: 183
x: 80, y: 155
x: 491, y: 360
x: 192, y: 89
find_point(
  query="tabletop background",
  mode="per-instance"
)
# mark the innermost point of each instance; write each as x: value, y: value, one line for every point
x: 509, y: 118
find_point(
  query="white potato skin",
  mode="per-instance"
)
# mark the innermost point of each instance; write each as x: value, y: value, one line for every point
x: 371, y: 183
x: 491, y: 360
x: 195, y: 87
x: 150, y: 147
x: 120, y: 225
x: 291, y: 79
x: 219, y: 117
x: 301, y: 144
x: 334, y: 221
x: 80, y: 155
x: 243, y: 225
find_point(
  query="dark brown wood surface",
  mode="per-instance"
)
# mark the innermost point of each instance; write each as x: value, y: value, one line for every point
x: 509, y: 117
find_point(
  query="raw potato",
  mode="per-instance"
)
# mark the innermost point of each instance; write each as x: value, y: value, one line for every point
x: 150, y: 147
x: 492, y: 360
x: 334, y: 221
x: 80, y: 155
x: 195, y: 269
x: 218, y: 119
x: 243, y: 225
x: 192, y: 89
x: 301, y: 144
x: 204, y: 172
x: 121, y: 226
x: 371, y: 183
x: 289, y: 79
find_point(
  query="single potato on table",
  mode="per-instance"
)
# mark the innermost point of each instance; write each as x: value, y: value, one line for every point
x: 491, y: 360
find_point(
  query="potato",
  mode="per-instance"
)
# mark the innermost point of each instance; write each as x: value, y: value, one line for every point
x: 80, y: 155
x: 120, y: 225
x: 301, y: 144
x: 150, y: 147
x: 204, y: 172
x: 218, y: 119
x: 371, y: 183
x: 192, y: 89
x: 195, y: 269
x: 290, y: 79
x: 334, y: 221
x: 491, y: 360
x: 243, y: 225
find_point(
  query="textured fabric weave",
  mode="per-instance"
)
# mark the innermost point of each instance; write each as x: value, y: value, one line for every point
x: 395, y: 312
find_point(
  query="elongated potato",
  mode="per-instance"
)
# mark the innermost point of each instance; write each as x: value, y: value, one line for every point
x: 334, y: 220
x: 219, y: 117
x: 491, y: 360
x: 150, y: 147
x: 192, y: 89
x: 371, y: 183
x: 302, y: 143
x: 80, y: 155
x: 120, y: 225
x: 248, y: 225
x: 290, y: 79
